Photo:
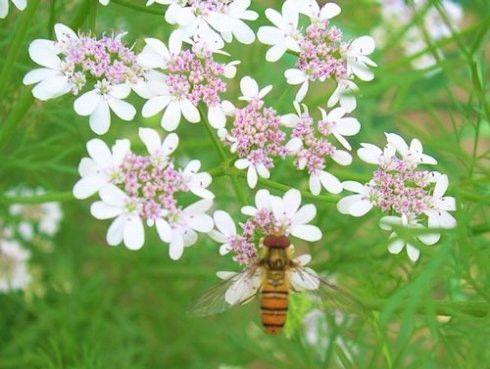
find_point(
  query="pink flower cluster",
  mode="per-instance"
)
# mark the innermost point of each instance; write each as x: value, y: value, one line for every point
x: 315, y: 149
x: 399, y: 187
x: 196, y: 76
x: 205, y: 6
x: 151, y: 185
x: 257, y: 135
x: 321, y: 52
x: 107, y: 59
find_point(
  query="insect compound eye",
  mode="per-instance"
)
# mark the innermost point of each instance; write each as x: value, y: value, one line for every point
x: 276, y: 241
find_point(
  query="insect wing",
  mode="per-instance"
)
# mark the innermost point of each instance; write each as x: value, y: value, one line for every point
x: 235, y: 289
x: 326, y: 294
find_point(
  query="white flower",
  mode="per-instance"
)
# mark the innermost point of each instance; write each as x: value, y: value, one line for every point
x: 4, y: 6
x: 412, y: 155
x: 181, y: 232
x: 225, y: 232
x: 159, y: 150
x: 196, y: 181
x: 253, y: 171
x: 294, y: 219
x: 295, y: 76
x: 357, y: 61
x: 322, y: 178
x: 344, y: 94
x: 317, y: 14
x: 156, y: 55
x: 439, y: 216
x: 372, y: 154
x: 397, y: 244
x: 51, y: 80
x: 284, y: 34
x: 46, y: 217
x: 341, y: 126
x: 101, y: 168
x: 262, y: 201
x: 356, y: 205
x: 127, y: 226
x: 14, y: 272
x: 100, y: 101
x: 250, y: 89
x: 223, y: 23
x: 104, y: 2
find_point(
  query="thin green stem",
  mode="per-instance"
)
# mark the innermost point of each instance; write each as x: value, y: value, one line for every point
x: 129, y: 4
x: 16, y: 46
x: 224, y: 158
x: 38, y: 199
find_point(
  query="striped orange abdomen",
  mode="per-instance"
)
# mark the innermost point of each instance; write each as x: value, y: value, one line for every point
x: 274, y: 301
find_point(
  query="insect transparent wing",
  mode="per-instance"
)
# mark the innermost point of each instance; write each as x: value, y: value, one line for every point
x: 242, y: 287
x: 326, y: 294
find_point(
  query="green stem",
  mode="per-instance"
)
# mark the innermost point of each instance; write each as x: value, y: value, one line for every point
x: 16, y: 46
x: 224, y: 158
x: 19, y: 110
x: 140, y: 8
x: 38, y: 199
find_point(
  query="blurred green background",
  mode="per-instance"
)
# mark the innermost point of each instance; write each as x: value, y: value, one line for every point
x: 95, y: 306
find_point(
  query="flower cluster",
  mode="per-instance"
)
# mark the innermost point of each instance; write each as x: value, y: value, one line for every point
x: 74, y: 63
x: 398, y: 187
x: 322, y: 51
x: 256, y: 135
x: 213, y: 20
x: 4, y: 6
x: 181, y: 79
x: 143, y: 188
x: 271, y: 215
x: 397, y: 14
x: 35, y: 219
x: 14, y: 271
x: 313, y: 143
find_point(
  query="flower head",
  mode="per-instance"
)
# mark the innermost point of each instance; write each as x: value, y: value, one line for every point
x: 272, y: 215
x: 182, y: 79
x: 316, y: 141
x: 399, y: 188
x: 256, y: 134
x: 105, y: 68
x: 14, y: 272
x: 135, y: 189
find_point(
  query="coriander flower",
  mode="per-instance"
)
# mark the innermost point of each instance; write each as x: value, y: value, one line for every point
x: 272, y: 215
x: 14, y: 271
x: 103, y: 71
x: 4, y: 6
x: 35, y: 219
x: 411, y: 196
x: 323, y: 53
x: 104, y: 2
x: 137, y: 189
x: 185, y: 78
x: 283, y: 35
x: 101, y: 168
x: 213, y: 20
x: 316, y: 144
x: 255, y: 135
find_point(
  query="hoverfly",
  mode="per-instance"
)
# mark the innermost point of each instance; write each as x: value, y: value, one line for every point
x: 272, y: 278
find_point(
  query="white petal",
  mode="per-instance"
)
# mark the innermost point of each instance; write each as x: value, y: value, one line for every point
x: 249, y: 87
x: 345, y: 203
x: 37, y: 75
x: 224, y: 223
x: 295, y: 76
x: 292, y: 201
x: 190, y: 112
x: 369, y: 153
x: 396, y: 246
x: 413, y: 253
x: 151, y: 139
x: 163, y: 229
x: 275, y: 52
x: 354, y: 187
x: 305, y: 214
x: 113, y: 196
x: 329, y: 11
x: 330, y: 182
x: 100, y: 119
x: 398, y: 142
x: 115, y: 232
x: 201, y: 223
x: 306, y: 232
x: 269, y: 35
x: 216, y: 117
x: 251, y: 176
x: 171, y: 117
x: 154, y: 106
x: 134, y: 232
x: 43, y: 52
x: 363, y: 45
x: 87, y: 103
x: 441, y: 186
x: 101, y: 210
x: 122, y: 109
x: 87, y: 186
x: 315, y: 184
x: 242, y: 163
x: 342, y: 157
x: 64, y: 33
x: 99, y: 152
x: 170, y: 144
x: 176, y: 248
